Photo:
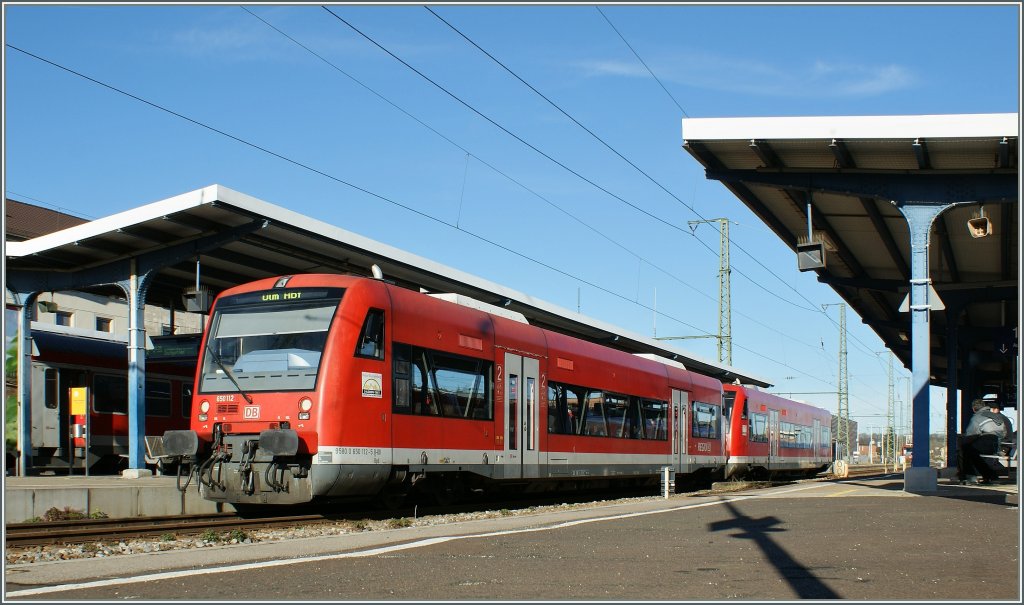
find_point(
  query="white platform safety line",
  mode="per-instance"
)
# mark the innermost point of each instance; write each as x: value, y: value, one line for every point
x: 172, y: 575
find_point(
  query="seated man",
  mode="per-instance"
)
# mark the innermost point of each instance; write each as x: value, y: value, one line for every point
x: 984, y: 436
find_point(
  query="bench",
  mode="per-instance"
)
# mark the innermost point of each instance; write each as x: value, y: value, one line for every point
x: 1005, y: 462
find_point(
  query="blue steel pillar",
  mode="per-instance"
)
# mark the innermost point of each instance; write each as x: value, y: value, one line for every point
x: 920, y: 477
x: 135, y: 289
x: 952, y: 381
x: 25, y: 381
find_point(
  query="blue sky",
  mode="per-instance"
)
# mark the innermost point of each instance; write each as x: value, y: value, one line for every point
x: 367, y: 119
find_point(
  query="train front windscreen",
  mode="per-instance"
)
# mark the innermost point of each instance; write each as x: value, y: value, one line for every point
x: 270, y: 340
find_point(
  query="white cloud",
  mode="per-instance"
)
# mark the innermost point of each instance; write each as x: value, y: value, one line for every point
x: 613, y: 68
x: 199, y: 41
x: 716, y: 72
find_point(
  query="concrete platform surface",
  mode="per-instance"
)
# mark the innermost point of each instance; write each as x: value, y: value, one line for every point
x: 864, y: 539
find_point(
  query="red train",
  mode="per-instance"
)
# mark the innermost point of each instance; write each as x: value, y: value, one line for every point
x: 323, y: 386
x: 771, y: 435
x: 66, y: 360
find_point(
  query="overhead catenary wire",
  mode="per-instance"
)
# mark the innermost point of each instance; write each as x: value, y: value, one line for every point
x: 866, y: 349
x: 388, y: 200
x: 541, y: 152
x: 615, y: 151
x: 350, y: 184
x: 510, y: 178
x: 813, y: 309
x: 640, y: 59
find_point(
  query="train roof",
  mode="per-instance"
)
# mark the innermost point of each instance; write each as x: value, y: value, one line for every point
x: 50, y: 340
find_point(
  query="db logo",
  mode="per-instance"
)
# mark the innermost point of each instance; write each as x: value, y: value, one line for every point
x: 251, y: 411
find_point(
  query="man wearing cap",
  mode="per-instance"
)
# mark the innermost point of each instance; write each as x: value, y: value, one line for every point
x: 984, y: 435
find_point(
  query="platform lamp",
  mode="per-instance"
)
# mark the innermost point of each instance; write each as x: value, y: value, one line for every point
x: 979, y: 226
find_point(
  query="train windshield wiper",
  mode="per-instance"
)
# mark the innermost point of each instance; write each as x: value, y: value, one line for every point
x: 230, y: 375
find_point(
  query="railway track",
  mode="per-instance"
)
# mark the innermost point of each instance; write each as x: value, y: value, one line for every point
x: 19, y: 535
x: 91, y: 530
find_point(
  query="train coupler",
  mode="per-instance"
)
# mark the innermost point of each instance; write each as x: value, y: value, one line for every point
x: 248, y: 477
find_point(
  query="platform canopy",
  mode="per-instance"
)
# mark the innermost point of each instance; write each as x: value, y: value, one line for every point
x: 852, y: 173
x: 238, y: 238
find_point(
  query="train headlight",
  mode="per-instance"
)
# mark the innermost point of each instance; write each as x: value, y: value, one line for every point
x: 305, y: 405
x: 204, y: 407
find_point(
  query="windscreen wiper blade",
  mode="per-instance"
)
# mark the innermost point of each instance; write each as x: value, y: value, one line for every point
x: 230, y: 375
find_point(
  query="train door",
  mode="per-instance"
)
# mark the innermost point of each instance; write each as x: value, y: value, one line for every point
x: 51, y: 397
x: 680, y: 401
x: 522, y: 407
x: 773, y: 434
x: 816, y: 441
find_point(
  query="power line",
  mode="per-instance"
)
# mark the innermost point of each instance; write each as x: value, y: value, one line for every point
x: 637, y: 55
x: 639, y: 58
x: 599, y: 139
x: 610, y: 148
x: 49, y: 204
x: 509, y: 177
x: 549, y: 157
x: 390, y: 201
x: 344, y: 182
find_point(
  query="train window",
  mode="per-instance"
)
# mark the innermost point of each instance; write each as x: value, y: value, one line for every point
x: 110, y: 394
x: 575, y: 400
x: 615, y: 412
x: 704, y: 420
x: 158, y: 398
x: 564, y: 409
x: 423, y: 391
x: 655, y: 423
x: 513, y: 407
x: 62, y: 318
x: 531, y: 397
x: 371, y: 339
x: 432, y: 383
x: 186, y: 400
x: 787, y: 435
x: 275, y: 345
x: 728, y: 400
x: 50, y: 391
x: 463, y: 385
x: 594, y: 421
x: 758, y: 428
x: 402, y: 370
x: 634, y: 427
x: 574, y: 410
x: 557, y: 414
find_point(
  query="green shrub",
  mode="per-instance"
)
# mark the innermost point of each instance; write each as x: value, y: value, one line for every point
x: 402, y: 522
x: 167, y: 538
x: 210, y: 536
x: 238, y: 535
x: 68, y: 514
